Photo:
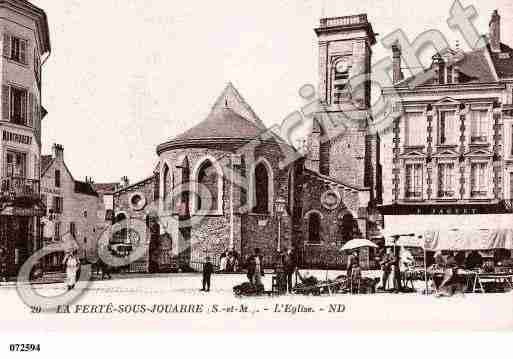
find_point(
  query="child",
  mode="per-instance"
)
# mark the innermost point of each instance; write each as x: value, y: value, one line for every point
x: 208, y: 268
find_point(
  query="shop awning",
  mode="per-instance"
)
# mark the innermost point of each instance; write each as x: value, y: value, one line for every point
x: 451, y: 232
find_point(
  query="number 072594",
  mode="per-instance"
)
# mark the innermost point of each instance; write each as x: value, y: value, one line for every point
x: 24, y: 347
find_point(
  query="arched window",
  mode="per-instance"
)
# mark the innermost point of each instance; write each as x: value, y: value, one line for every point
x: 166, y: 182
x: 209, y: 179
x: 262, y: 204
x: 314, y: 227
x: 348, y: 228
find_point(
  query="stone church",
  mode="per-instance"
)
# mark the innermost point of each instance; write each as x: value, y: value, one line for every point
x: 226, y: 184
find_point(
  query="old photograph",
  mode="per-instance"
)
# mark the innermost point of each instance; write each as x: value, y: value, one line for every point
x: 291, y: 165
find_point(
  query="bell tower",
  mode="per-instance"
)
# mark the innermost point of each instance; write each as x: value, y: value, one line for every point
x: 344, y: 53
x: 349, y: 151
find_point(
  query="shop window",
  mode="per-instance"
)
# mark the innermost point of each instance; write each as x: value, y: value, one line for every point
x: 16, y: 164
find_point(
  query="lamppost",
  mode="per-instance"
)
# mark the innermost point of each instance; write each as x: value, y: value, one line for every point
x: 280, y: 210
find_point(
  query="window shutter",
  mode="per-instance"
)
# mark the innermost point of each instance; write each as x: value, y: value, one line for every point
x: 30, y: 110
x: 5, y: 102
x: 23, y: 52
x: 7, y: 46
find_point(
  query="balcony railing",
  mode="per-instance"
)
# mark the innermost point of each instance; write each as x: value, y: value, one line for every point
x: 19, y: 187
x: 344, y: 20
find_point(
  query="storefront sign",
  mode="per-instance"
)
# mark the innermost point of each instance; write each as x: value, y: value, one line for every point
x: 15, y: 137
x: 447, y: 209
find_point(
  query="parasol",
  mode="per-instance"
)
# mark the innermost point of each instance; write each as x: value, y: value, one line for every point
x: 358, y: 243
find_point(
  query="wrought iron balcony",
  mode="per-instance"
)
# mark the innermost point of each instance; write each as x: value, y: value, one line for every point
x: 19, y: 188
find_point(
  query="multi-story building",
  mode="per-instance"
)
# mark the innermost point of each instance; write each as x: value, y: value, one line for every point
x: 448, y: 159
x: 75, y: 211
x: 25, y: 47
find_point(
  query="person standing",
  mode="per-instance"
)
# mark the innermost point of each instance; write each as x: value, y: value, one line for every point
x: 352, y: 261
x: 208, y: 269
x: 223, y: 261
x: 387, y: 266
x: 406, y: 262
x: 259, y: 268
x: 3, y: 264
x: 71, y: 262
x: 290, y: 266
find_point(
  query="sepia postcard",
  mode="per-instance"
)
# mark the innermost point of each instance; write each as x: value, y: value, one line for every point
x: 295, y: 166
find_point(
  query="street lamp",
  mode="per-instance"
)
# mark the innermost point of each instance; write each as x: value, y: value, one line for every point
x: 280, y: 210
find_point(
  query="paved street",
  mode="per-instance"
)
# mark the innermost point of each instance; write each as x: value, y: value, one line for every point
x: 360, y: 312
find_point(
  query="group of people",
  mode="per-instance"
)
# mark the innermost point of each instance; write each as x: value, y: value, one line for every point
x: 394, y: 268
x: 229, y: 261
x: 285, y: 268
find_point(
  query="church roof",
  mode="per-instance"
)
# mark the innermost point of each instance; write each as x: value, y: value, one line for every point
x: 230, y: 119
x: 222, y: 124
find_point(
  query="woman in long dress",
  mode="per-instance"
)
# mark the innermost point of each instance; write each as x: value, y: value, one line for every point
x: 71, y: 263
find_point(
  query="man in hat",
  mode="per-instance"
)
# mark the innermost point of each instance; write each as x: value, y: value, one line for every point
x: 290, y: 266
x: 208, y: 269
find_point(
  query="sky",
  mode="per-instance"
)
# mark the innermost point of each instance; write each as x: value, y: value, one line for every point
x: 127, y: 75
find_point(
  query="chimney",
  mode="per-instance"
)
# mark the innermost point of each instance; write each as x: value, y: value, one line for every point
x: 124, y: 182
x: 396, y: 58
x: 439, y: 67
x: 495, y: 32
x: 58, y: 151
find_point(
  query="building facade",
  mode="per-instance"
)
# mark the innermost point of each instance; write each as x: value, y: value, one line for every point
x: 448, y: 158
x: 75, y: 212
x: 25, y: 47
x: 342, y: 163
x: 254, y: 197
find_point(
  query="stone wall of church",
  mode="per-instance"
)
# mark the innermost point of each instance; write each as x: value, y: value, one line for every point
x: 325, y: 251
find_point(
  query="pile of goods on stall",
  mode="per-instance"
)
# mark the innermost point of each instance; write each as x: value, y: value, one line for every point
x: 248, y: 289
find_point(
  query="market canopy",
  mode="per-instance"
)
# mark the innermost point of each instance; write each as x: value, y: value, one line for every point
x: 454, y: 232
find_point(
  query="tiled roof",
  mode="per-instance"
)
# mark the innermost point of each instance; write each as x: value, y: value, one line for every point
x: 503, y: 61
x: 85, y: 188
x: 222, y: 124
x: 473, y: 67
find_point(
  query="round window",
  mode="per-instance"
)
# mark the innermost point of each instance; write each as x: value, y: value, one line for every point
x: 330, y: 199
x: 137, y: 201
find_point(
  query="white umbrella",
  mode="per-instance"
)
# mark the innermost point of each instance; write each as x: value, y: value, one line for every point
x: 358, y: 243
